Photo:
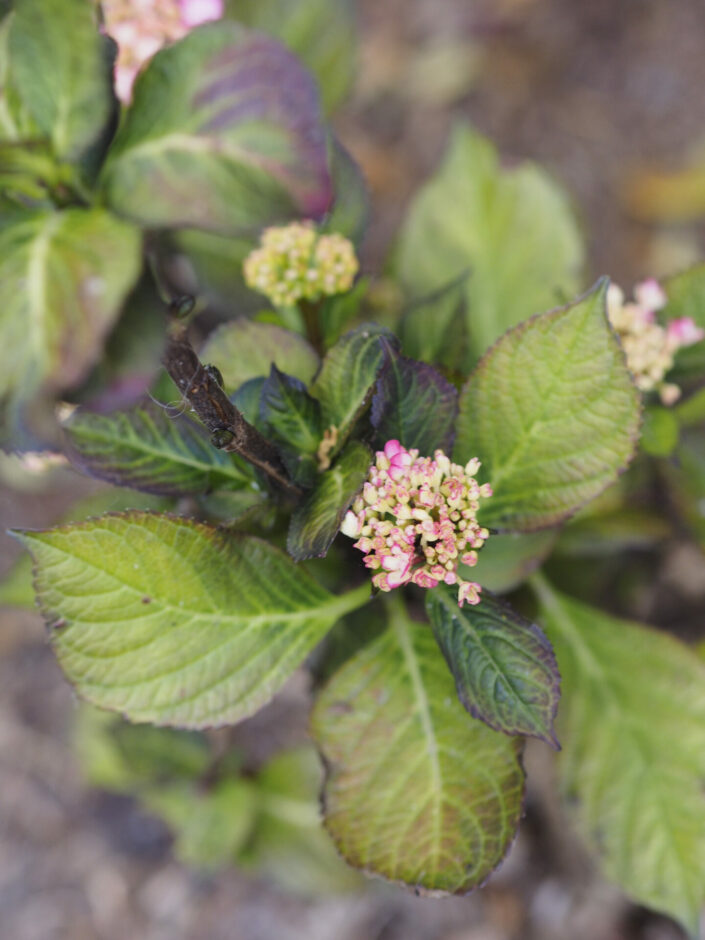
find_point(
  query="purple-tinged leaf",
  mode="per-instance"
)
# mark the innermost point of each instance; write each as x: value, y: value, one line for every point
x: 291, y: 418
x: 148, y: 450
x: 504, y: 667
x: 224, y: 134
x: 415, y: 405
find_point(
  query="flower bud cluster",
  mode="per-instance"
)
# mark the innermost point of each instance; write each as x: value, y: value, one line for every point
x: 295, y: 263
x: 648, y: 346
x: 416, y: 520
x: 141, y: 27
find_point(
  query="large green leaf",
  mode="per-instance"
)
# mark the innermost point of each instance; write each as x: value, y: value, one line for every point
x: 552, y: 413
x: 686, y: 298
x: 316, y: 521
x: 632, y: 723
x: 292, y: 419
x: 512, y: 229
x: 63, y: 279
x: 174, y: 622
x: 347, y: 376
x: 415, y: 405
x: 58, y: 64
x: 149, y: 450
x: 417, y: 791
x: 224, y: 134
x: 320, y: 32
x: 245, y: 349
x: 504, y: 668
x: 507, y: 560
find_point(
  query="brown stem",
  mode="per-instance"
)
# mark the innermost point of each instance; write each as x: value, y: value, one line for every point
x: 230, y: 430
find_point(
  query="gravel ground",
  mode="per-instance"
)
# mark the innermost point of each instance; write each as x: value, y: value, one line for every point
x: 593, y: 89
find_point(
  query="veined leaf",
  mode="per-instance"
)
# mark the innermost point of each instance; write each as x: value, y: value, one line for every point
x: 415, y: 405
x: 292, y: 419
x: 320, y: 32
x: 146, y: 449
x: 552, y: 413
x: 506, y: 561
x: 174, y: 622
x: 346, y: 379
x: 417, y: 791
x: 245, y: 349
x: 632, y: 723
x: 504, y: 667
x: 434, y: 327
x: 224, y: 134
x: 63, y: 278
x: 59, y: 68
x: 513, y: 230
x: 316, y: 521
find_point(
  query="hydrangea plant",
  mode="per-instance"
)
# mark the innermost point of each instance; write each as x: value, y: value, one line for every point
x: 463, y: 444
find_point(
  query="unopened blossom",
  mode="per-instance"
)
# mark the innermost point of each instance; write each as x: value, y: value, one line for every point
x: 415, y: 520
x: 649, y: 347
x: 294, y: 262
x: 141, y: 27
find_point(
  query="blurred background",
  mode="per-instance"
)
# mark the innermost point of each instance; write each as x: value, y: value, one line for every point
x: 608, y: 96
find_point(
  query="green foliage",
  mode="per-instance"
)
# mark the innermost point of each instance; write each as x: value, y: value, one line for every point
x: 417, y: 791
x: 512, y: 230
x: 63, y: 278
x: 292, y: 418
x: 150, y: 450
x: 176, y: 623
x: 507, y: 560
x: 686, y: 298
x: 503, y: 665
x: 632, y: 724
x: 415, y: 405
x: 316, y: 521
x: 434, y: 328
x: 59, y: 65
x: 245, y: 349
x: 240, y: 154
x: 552, y: 414
x: 347, y: 376
x: 659, y: 432
x: 320, y: 32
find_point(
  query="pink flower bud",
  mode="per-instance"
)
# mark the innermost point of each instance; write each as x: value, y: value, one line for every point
x: 684, y: 332
x: 650, y: 294
x: 195, y: 12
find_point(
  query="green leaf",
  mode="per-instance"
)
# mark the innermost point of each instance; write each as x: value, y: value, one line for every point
x: 244, y: 350
x: 292, y: 419
x: 173, y: 622
x: 504, y: 668
x: 506, y: 561
x: 513, y: 229
x: 350, y: 211
x: 210, y: 826
x: 632, y: 723
x: 149, y: 450
x: 58, y: 64
x: 686, y: 475
x: 316, y: 521
x: 224, y: 134
x: 434, y: 328
x: 659, y: 431
x: 415, y: 405
x: 417, y: 791
x: 347, y: 376
x: 553, y: 415
x: 612, y: 533
x: 320, y: 32
x: 63, y: 279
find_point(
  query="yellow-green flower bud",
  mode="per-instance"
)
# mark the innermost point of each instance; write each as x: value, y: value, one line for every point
x: 295, y: 263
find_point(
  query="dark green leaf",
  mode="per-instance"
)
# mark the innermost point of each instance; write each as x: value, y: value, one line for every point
x: 415, y: 405
x: 434, y: 328
x: 553, y: 415
x: 504, y: 668
x: 659, y: 432
x: 149, y: 450
x: 685, y: 293
x: 173, y: 622
x: 507, y: 560
x: 57, y: 59
x: 417, y: 791
x: 292, y: 419
x: 346, y: 379
x: 224, y: 134
x: 316, y: 521
x: 350, y: 211
x: 512, y: 229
